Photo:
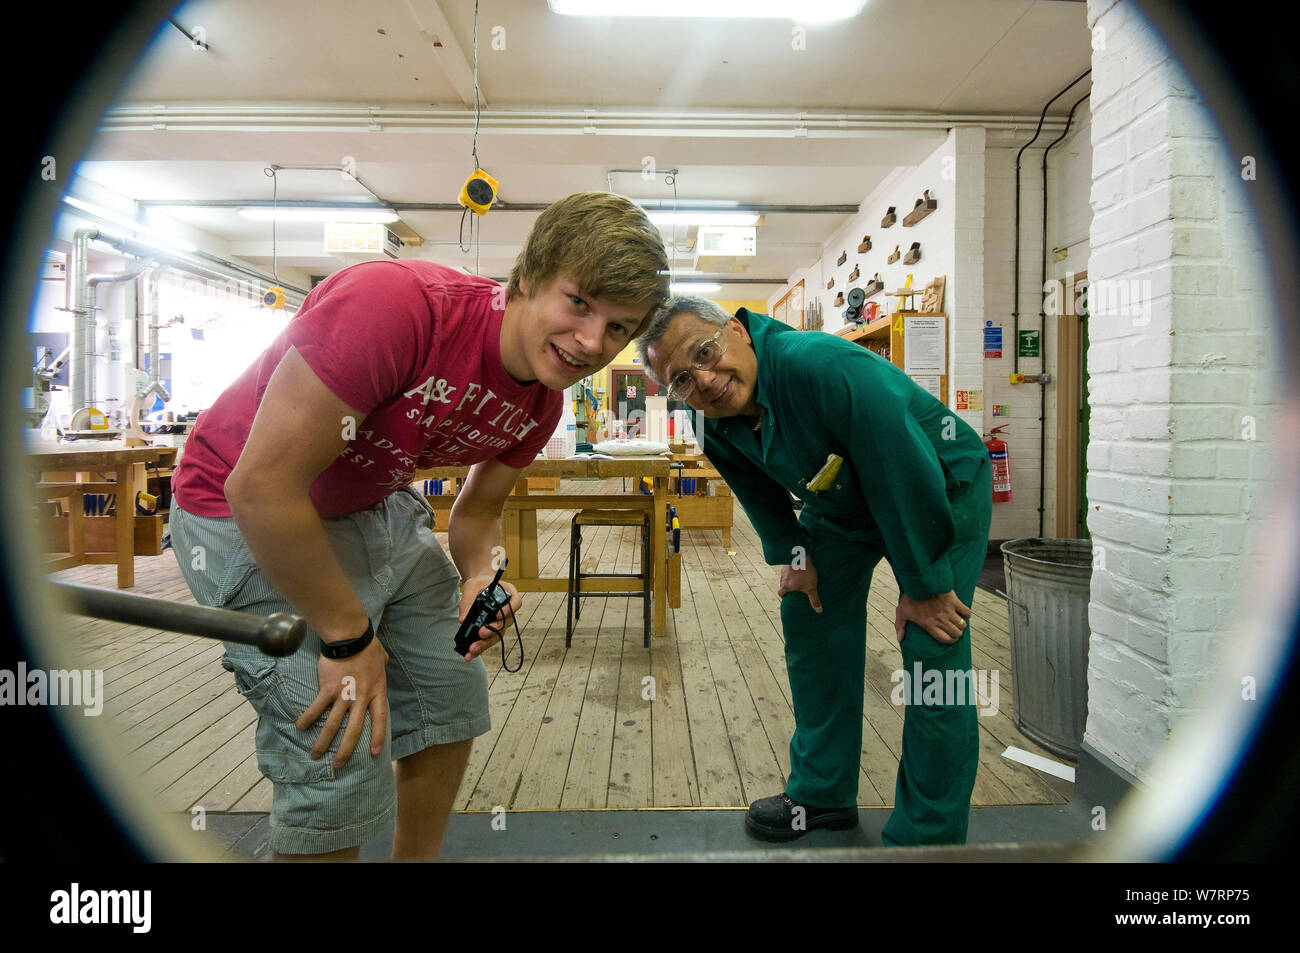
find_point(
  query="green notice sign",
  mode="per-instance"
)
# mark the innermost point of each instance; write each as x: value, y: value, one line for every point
x: 1029, y: 344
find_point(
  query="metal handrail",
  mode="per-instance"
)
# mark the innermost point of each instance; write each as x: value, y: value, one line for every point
x: 278, y: 634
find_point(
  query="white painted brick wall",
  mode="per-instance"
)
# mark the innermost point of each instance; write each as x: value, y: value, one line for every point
x: 1177, y: 492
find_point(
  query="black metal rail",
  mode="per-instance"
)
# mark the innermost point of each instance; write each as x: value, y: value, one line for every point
x: 278, y: 634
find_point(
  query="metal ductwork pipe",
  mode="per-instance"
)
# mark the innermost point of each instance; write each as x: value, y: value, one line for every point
x: 219, y: 270
x: 80, y: 294
x: 76, y: 292
x: 90, y: 282
x: 149, y: 293
x: 154, y: 370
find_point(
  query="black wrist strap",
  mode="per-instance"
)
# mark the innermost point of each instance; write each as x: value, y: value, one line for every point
x: 346, y: 648
x: 518, y: 635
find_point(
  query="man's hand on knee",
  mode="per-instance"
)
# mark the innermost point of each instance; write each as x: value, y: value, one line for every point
x: 350, y: 687
x: 943, y: 616
x: 801, y: 580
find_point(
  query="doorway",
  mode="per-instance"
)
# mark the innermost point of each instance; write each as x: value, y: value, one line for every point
x: 628, y: 399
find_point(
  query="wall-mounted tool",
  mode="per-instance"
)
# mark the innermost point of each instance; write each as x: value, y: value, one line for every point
x: 844, y: 256
x: 924, y: 206
x: 874, y: 286
x: 913, y: 254
x: 894, y: 257
x: 853, y: 275
x: 890, y: 218
x: 830, y: 284
x: 866, y: 244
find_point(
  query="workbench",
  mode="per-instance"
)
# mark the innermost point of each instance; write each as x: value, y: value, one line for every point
x: 122, y: 471
x: 520, y: 520
x: 710, y: 505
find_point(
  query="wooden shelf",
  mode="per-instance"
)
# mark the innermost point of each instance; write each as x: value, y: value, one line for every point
x: 873, y: 330
x: 888, y: 329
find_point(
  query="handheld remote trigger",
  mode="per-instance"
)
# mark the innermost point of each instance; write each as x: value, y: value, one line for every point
x: 487, y: 604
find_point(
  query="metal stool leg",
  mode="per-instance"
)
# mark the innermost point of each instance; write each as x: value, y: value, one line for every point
x: 568, y: 600
x: 577, y: 576
x: 645, y: 572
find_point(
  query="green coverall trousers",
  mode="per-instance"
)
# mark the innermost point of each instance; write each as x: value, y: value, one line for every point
x: 826, y: 660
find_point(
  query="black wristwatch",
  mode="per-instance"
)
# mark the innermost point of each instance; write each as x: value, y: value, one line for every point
x: 346, y: 648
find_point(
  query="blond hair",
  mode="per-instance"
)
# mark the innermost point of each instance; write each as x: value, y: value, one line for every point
x: 605, y: 243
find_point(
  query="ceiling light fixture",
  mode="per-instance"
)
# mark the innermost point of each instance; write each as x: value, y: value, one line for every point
x: 705, y: 218
x: 153, y: 236
x: 803, y: 10
x: 694, y: 287
x: 360, y: 216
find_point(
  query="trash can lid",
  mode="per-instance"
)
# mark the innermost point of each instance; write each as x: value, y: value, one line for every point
x: 1051, y: 552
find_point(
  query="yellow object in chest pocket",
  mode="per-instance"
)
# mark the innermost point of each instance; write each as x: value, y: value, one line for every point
x: 825, y: 477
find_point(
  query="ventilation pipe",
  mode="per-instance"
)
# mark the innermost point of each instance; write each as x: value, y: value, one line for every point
x: 80, y: 294
x: 1042, y: 343
x: 149, y: 293
x: 130, y: 273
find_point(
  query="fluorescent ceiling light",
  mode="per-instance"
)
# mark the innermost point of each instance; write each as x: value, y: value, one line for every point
x: 161, y: 240
x: 704, y: 218
x: 694, y: 287
x: 807, y: 10
x: 361, y: 216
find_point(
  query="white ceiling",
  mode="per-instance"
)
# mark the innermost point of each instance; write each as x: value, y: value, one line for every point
x: 389, y: 83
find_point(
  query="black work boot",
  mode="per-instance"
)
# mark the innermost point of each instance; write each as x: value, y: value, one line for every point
x: 781, y: 818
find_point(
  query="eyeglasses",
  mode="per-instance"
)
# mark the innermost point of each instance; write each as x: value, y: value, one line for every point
x: 706, y: 356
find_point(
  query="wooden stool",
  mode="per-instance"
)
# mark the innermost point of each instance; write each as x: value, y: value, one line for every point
x: 576, y: 575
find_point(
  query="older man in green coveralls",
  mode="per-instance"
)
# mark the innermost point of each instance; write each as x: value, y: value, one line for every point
x: 914, y: 486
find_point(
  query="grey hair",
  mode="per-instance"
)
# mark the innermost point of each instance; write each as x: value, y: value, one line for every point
x: 703, y: 308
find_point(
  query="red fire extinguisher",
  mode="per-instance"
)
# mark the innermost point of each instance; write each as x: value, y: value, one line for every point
x: 1001, y: 466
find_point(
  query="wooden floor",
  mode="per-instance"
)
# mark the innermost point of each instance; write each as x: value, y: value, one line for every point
x: 700, y: 719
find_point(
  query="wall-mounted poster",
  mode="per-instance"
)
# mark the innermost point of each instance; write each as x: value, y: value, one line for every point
x: 924, y: 348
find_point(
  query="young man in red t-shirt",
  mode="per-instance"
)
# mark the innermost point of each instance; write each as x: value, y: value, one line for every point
x: 293, y: 494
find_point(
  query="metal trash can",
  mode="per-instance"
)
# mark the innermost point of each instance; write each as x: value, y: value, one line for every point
x: 1048, y: 587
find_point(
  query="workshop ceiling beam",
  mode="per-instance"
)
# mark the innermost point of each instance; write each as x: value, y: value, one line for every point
x: 438, y: 39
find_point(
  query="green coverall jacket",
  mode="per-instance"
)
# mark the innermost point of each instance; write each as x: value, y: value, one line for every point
x: 903, y: 451
x: 915, y: 487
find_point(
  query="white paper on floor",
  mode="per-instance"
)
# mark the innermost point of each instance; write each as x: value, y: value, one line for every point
x: 1038, y: 761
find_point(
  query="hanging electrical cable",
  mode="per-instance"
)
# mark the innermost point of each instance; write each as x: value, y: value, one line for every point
x: 480, y: 189
x: 670, y: 178
x: 274, y: 296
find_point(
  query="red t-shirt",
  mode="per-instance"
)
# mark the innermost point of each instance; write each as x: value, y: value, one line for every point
x: 415, y: 349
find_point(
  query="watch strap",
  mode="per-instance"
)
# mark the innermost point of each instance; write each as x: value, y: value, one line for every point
x: 346, y: 648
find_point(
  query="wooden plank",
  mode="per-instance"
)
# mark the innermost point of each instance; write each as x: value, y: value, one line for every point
x: 196, y: 749
x: 164, y: 747
x: 587, y: 782
x: 674, y: 767
x: 631, y: 770
x: 542, y: 787
x: 548, y: 767
x: 144, y: 730
x: 760, y: 772
x: 503, y: 772
x: 258, y: 799
x: 190, y: 788
x: 137, y: 704
x: 124, y: 675
x: 231, y: 789
x: 715, y: 765
x: 537, y: 621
